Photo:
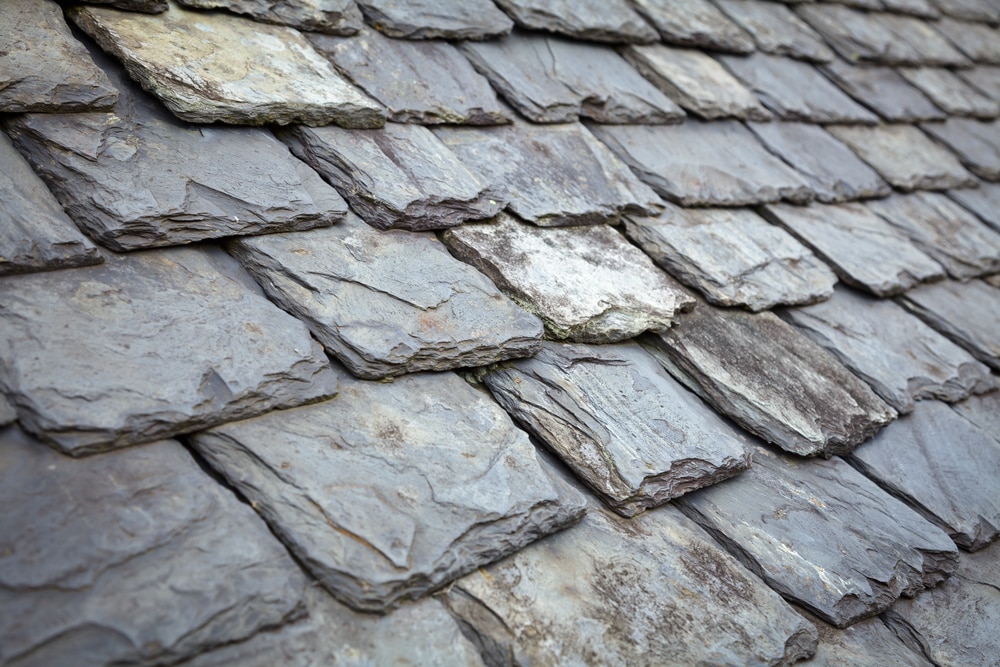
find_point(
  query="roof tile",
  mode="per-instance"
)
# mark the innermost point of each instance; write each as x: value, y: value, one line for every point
x: 950, y: 93
x: 861, y: 642
x: 776, y: 29
x: 976, y: 143
x: 970, y: 10
x: 984, y: 78
x: 984, y: 201
x: 983, y: 411
x: 335, y: 17
x: 979, y: 42
x: 696, y: 23
x: 436, y: 19
x: 884, y: 91
x: 595, y: 20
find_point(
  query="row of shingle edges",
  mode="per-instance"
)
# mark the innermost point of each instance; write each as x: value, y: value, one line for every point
x: 81, y: 346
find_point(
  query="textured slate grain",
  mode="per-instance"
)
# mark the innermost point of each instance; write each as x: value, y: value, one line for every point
x: 946, y: 90
x: 860, y: 643
x: 147, y: 6
x: 976, y: 143
x: 985, y: 79
x: 922, y: 8
x: 969, y: 10
x: 884, y: 91
x: 436, y: 19
x: 7, y: 413
x: 592, y: 20
x: 982, y: 411
x: 131, y: 557
x: 696, y: 23
x: 969, y: 314
x: 984, y: 201
x: 335, y: 17
x: 979, y: 42
x: 148, y: 345
x: 392, y: 490
x: 776, y: 29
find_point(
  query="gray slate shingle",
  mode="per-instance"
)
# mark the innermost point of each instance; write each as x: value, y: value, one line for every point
x: 776, y: 29
x: 969, y: 314
x: 593, y: 20
x: 950, y: 93
x: 696, y: 23
x: 884, y: 91
x: 334, y: 17
x: 976, y: 143
x: 436, y: 19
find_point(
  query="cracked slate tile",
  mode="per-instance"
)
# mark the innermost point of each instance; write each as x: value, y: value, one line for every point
x: 983, y: 411
x: 87, y: 557
x: 436, y: 19
x: 984, y: 201
x: 977, y: 144
x: 334, y: 17
x: 426, y: 82
x: 551, y: 175
x: 776, y: 29
x: 43, y: 67
x: 705, y: 164
x: 859, y: 644
x: 593, y: 20
x: 634, y: 435
x: 969, y: 10
x: 950, y: 93
x: 388, y: 303
x: 392, y: 490
x: 552, y: 80
x: 770, y: 379
x: 979, y: 42
x: 211, y: 66
x: 899, y: 356
x: 695, y: 23
x: 733, y: 257
x: 884, y: 91
x: 985, y: 79
x: 398, y: 176
x: 148, y: 345
x: 587, y: 284
x: 824, y: 536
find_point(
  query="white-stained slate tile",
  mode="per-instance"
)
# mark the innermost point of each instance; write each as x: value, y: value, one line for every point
x: 592, y: 20
x: 696, y: 23
x: 984, y: 201
x: 334, y: 17
x: 776, y: 29
x: 436, y: 19
x: 979, y: 42
x: 884, y: 91
x: 968, y: 313
x: 976, y: 143
x: 950, y: 93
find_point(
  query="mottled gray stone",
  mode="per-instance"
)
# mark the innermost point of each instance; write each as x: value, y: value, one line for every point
x: 824, y: 536
x: 922, y: 8
x: 588, y: 284
x: 899, y: 356
x: 976, y: 143
x: 967, y: 313
x: 132, y: 557
x: 985, y: 79
x: 620, y: 422
x: 7, y: 413
x: 388, y: 303
x: 147, y: 6
x: 884, y: 91
x: 776, y: 29
x: 983, y: 411
x: 979, y: 42
x: 392, y: 490
x: 865, y: 642
x: 696, y: 81
x: 42, y: 66
x: 426, y: 82
x: 594, y: 20
x: 550, y: 79
x: 335, y: 17
x: 950, y: 93
x: 984, y: 201
x: 398, y: 176
x: 149, y: 345
x: 213, y: 66
x: 436, y: 19
x: 970, y: 10
x: 696, y: 23
x: 905, y: 156
x: 552, y: 175
x: 795, y: 90
x: 733, y: 257
x: 705, y: 164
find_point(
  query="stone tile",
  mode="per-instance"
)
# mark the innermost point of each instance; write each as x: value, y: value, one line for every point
x: 795, y: 90
x: 147, y: 6
x: 905, y: 157
x: 436, y: 19
x: 969, y: 10
x: 922, y: 8
x: 552, y: 175
x: 43, y: 67
x: 984, y: 201
x: 426, y: 82
x: 132, y: 557
x: 208, y: 67
x: 335, y: 17
x: 950, y: 93
x: 696, y: 23
x: 588, y: 284
x: 979, y: 42
x: 976, y: 143
x: 696, y: 81
x: 705, y: 164
x: 7, y: 413
x: 968, y: 313
x: 398, y: 176
x: 634, y: 435
x: 899, y: 356
x: 388, y: 303
x: 771, y: 380
x: 593, y: 20
x: 860, y: 644
x: 983, y: 411
x: 884, y: 91
x: 392, y: 490
x: 833, y: 171
x: 776, y: 29
x: 149, y: 345
x: 824, y: 536
x: 948, y: 233
x: 733, y: 257
x: 985, y: 79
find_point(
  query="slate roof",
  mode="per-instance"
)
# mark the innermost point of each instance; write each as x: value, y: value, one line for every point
x: 623, y: 332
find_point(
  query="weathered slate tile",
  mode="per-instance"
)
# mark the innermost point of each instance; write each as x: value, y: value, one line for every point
x: 976, y: 143
x: 392, y: 490
x: 588, y: 284
x: 426, y: 82
x: 436, y: 19
x: 983, y: 411
x: 984, y: 201
x: 833, y: 171
x: 208, y: 67
x: 795, y: 90
x: 7, y: 413
x: 132, y: 557
x: 594, y: 20
x: 148, y: 6
x: 149, y: 345
x: 550, y: 79
x: 979, y: 42
x: 899, y: 356
x: 733, y: 257
x: 42, y: 66
x: 905, y: 156
x: 705, y: 164
x: 388, y: 303
x: 969, y: 10
x: 824, y: 536
x: 921, y: 8
x: 620, y: 422
x: 398, y: 176
x: 696, y: 81
x: 950, y: 93
x: 552, y: 175
x: 985, y: 79
x: 860, y: 644
x: 696, y: 23
x: 771, y: 380
x: 335, y: 17
x: 776, y: 29
x: 884, y: 91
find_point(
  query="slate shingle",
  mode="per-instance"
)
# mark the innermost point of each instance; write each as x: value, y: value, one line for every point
x: 335, y: 17
x: 884, y: 91
x: 969, y: 10
x: 593, y: 20
x: 950, y: 93
x: 969, y: 314
x: 976, y: 143
x: 860, y: 643
x: 436, y: 19
x: 979, y: 42
x: 985, y: 79
x: 984, y: 201
x: 776, y: 29
x: 983, y: 411
x: 696, y: 23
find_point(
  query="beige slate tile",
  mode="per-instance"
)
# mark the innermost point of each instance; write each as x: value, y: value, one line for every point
x: 612, y: 21
x: 950, y: 93
x: 695, y: 23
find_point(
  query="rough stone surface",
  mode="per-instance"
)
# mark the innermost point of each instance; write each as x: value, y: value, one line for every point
x: 922, y: 8
x: 984, y: 201
x: 131, y: 557
x: 149, y: 345
x: 593, y: 20
x: 824, y: 536
x: 733, y: 257
x: 901, y: 358
x: 552, y: 175
x: 860, y: 644
x: 983, y: 411
x: 969, y: 10
x: 391, y: 490
x: 884, y: 91
x: 776, y: 29
x: 336, y: 17
x: 950, y: 93
x: 771, y: 380
x: 388, y: 303
x: 436, y: 19
x: 967, y: 313
x: 550, y: 79
x: 620, y: 422
x: 984, y: 79
x: 696, y: 23
x: 398, y: 176
x: 147, y: 6
x: 208, y: 67
x: 705, y: 164
x: 976, y: 143
x: 696, y: 81
x: 588, y: 284
x: 979, y: 42
x: 7, y: 413
x: 905, y: 156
